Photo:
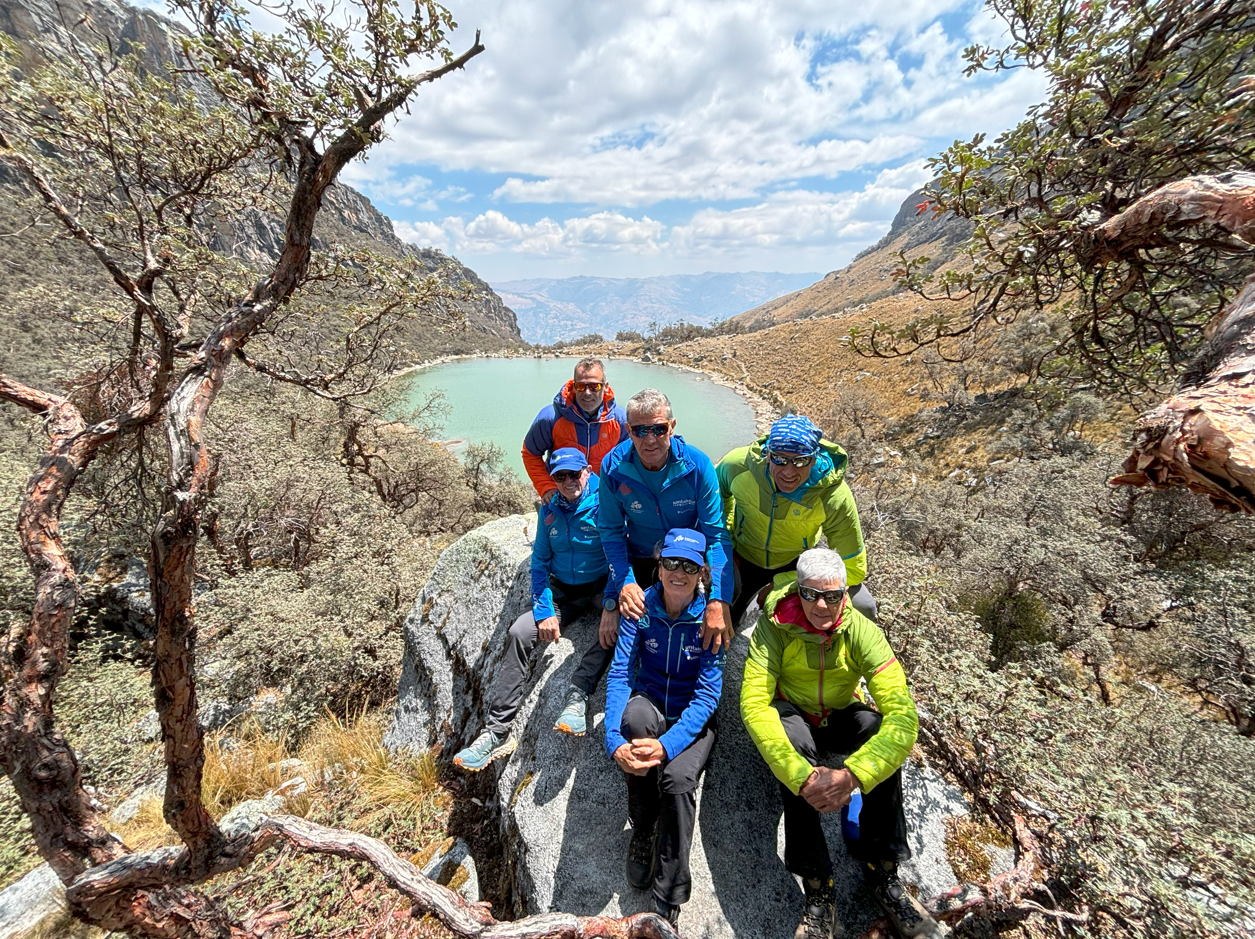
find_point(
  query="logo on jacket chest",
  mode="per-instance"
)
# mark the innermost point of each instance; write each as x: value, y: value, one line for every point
x: 651, y: 644
x: 549, y: 519
x: 692, y: 652
x: 625, y: 489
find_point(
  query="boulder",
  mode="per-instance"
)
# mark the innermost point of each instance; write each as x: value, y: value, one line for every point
x: 25, y: 904
x: 562, y: 805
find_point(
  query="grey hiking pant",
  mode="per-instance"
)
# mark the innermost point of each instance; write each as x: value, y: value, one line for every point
x: 571, y: 601
x: 665, y: 798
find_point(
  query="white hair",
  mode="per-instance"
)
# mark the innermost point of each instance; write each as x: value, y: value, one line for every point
x: 647, y: 402
x: 821, y: 565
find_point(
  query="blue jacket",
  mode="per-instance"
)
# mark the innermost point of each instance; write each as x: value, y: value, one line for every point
x: 631, y: 521
x: 664, y: 659
x: 567, y: 545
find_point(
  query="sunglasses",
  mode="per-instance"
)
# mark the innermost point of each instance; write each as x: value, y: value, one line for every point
x: 563, y: 476
x: 650, y: 430
x: 589, y: 386
x: 670, y: 564
x: 810, y: 595
x: 801, y: 462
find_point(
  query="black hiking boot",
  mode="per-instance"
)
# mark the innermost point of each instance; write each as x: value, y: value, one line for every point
x: 819, y: 912
x: 640, y: 858
x: 668, y: 912
x: 906, y: 913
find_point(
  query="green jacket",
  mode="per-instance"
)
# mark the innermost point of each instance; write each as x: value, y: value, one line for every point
x: 787, y: 659
x: 771, y: 528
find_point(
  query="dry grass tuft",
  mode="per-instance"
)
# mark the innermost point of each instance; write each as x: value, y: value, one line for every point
x: 247, y: 770
x: 967, y: 847
x: 148, y: 829
x: 405, y: 788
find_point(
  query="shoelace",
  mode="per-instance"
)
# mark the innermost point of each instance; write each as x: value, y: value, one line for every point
x: 816, y: 918
x: 902, y: 903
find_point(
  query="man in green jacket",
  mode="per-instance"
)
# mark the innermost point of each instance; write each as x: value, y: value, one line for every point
x: 780, y: 494
x: 806, y: 657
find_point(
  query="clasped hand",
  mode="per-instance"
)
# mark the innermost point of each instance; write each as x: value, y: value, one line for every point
x: 640, y: 756
x: 548, y: 629
x: 827, y: 790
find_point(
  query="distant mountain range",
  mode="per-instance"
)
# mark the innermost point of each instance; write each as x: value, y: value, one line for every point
x: 552, y: 310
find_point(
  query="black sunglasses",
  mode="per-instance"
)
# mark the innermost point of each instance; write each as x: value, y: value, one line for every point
x: 670, y: 564
x: 810, y: 595
x: 563, y: 476
x: 801, y: 462
x: 646, y: 430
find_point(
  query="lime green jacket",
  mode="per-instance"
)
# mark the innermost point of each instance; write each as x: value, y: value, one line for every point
x: 770, y: 528
x: 800, y: 666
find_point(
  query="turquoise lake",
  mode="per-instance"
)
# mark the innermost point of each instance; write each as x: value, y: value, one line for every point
x: 495, y: 400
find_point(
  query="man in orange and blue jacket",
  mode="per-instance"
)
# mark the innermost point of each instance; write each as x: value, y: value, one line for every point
x: 583, y: 416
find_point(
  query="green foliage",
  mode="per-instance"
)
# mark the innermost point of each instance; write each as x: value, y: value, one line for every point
x: 1057, y: 635
x: 1140, y: 95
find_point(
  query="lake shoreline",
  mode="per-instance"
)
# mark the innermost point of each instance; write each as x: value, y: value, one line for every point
x: 764, y: 412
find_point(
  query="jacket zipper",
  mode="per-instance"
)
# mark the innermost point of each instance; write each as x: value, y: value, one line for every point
x: 667, y: 693
x: 771, y: 521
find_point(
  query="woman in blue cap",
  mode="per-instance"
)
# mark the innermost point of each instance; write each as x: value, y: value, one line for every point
x: 661, y: 694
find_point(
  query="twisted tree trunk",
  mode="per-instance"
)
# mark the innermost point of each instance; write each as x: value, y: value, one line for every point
x: 1203, y: 437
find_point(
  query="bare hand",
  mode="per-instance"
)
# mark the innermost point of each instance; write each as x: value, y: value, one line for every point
x: 608, y: 632
x: 648, y: 751
x: 629, y: 763
x: 828, y: 789
x: 632, y: 601
x: 717, y: 631
x: 547, y: 629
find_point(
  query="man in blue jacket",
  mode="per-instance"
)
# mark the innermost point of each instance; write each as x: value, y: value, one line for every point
x: 651, y: 483
x: 568, y: 578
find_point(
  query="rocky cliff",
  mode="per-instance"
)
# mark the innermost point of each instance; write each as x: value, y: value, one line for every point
x: 41, y: 28
x: 868, y: 277
x: 560, y: 805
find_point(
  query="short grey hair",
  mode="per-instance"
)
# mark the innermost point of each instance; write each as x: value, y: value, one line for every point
x: 822, y: 565
x: 590, y: 361
x: 647, y: 402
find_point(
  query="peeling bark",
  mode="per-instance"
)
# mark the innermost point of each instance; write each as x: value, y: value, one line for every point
x: 1203, y: 437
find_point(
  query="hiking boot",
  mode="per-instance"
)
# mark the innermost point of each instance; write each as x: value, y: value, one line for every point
x: 640, y: 859
x: 906, y: 913
x: 819, y: 913
x: 668, y: 912
x: 574, y: 717
x: 486, y: 748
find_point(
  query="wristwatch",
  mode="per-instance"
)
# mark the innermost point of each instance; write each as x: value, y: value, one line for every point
x: 610, y: 604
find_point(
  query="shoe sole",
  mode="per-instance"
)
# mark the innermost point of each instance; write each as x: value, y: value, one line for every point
x: 504, y: 750
x: 568, y: 730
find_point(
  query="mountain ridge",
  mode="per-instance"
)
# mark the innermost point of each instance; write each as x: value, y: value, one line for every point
x: 550, y: 309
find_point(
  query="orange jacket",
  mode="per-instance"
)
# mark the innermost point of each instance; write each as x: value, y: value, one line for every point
x: 562, y: 424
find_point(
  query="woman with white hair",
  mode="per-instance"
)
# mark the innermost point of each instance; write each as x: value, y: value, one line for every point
x: 809, y: 651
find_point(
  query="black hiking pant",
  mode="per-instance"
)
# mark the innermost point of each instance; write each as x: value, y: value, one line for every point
x: 664, y: 800
x: 570, y: 601
x: 750, y: 578
x: 882, y: 824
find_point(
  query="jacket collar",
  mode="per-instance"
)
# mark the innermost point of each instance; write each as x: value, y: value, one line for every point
x: 564, y: 403
x: 679, y: 464
x: 657, y: 606
x: 587, y: 499
x: 828, y: 469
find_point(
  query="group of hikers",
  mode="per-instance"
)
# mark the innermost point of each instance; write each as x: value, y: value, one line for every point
x: 672, y: 549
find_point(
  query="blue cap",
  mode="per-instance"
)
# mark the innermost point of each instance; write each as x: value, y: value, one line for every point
x: 685, y: 543
x: 794, y: 434
x: 568, y: 458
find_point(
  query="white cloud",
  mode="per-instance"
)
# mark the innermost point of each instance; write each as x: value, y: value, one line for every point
x: 493, y: 232
x: 624, y: 105
x: 800, y: 218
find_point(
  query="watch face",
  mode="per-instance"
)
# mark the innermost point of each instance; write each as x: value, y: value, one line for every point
x: 610, y: 604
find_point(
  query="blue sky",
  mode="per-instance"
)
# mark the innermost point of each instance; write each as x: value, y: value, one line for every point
x: 679, y: 136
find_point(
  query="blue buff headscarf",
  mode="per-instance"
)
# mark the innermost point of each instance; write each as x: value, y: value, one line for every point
x: 794, y: 433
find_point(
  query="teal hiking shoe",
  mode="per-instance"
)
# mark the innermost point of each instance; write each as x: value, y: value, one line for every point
x: 486, y: 748
x: 574, y: 717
